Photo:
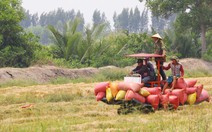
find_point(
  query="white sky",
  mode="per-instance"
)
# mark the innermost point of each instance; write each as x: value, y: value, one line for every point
x: 87, y: 7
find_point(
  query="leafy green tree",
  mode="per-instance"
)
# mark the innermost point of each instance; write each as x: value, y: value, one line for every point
x: 208, y: 55
x: 93, y: 46
x: 16, y: 46
x: 42, y: 33
x: 27, y: 21
x: 182, y: 45
x: 193, y: 14
x: 66, y: 43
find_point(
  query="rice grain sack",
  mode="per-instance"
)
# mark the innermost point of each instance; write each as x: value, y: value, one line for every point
x: 144, y: 92
x: 154, y: 90
x: 192, y: 98
x: 199, y: 90
x: 180, y: 94
x: 132, y: 95
x: 129, y: 86
x: 164, y: 100
x: 153, y: 100
x: 185, y: 97
x: 191, y: 90
x: 204, y: 96
x: 109, y: 95
x: 120, y: 95
x: 174, y: 101
x: 100, y: 96
x: 114, y: 88
x: 191, y: 82
x: 101, y: 87
x: 180, y: 84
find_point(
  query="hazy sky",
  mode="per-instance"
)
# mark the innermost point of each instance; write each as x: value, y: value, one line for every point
x: 87, y: 7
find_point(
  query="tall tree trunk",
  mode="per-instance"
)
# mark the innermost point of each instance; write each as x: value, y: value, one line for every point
x: 203, y: 39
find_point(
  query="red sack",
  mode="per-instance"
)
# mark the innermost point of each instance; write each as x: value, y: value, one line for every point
x: 167, y: 91
x: 204, y: 96
x: 191, y: 82
x: 153, y: 100
x: 132, y: 95
x: 174, y: 101
x: 101, y: 87
x: 100, y: 96
x: 154, y: 90
x: 180, y: 84
x: 199, y: 90
x: 129, y: 86
x: 180, y: 94
x: 185, y: 97
x: 164, y: 100
x: 191, y: 90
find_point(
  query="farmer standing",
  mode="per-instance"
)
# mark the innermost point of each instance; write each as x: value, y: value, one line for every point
x: 160, y: 50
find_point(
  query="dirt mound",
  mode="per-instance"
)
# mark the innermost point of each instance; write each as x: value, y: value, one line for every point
x: 196, y: 64
x: 45, y: 73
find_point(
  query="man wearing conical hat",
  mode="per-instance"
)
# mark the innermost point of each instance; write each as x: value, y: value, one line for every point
x: 160, y: 50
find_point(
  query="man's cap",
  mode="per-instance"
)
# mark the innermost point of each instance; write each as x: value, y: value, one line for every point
x: 139, y: 61
x: 156, y: 36
x: 175, y: 58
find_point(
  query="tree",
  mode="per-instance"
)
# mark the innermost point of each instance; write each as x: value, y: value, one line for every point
x: 67, y: 42
x: 144, y: 21
x: 190, y: 14
x: 158, y: 24
x: 27, y: 21
x: 97, y: 19
x: 92, y: 46
x: 121, y: 21
x: 134, y: 20
x: 16, y: 46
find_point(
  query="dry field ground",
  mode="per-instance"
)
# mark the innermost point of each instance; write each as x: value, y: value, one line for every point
x: 72, y: 107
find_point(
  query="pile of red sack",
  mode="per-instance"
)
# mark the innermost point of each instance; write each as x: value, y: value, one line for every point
x: 185, y: 92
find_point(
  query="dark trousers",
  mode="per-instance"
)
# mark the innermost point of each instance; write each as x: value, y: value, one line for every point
x: 162, y: 73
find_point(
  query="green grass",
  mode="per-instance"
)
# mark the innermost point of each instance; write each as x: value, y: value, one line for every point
x: 22, y: 83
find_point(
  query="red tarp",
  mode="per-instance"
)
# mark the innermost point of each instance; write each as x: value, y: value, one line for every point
x: 142, y: 55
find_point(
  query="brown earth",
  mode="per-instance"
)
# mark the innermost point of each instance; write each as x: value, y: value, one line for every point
x: 45, y: 73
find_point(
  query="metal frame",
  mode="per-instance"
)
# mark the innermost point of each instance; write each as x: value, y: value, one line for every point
x: 144, y: 55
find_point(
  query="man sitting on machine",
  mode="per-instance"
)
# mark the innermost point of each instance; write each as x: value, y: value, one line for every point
x: 143, y: 70
x: 177, y: 71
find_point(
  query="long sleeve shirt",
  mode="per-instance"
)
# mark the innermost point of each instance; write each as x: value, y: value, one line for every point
x: 142, y: 70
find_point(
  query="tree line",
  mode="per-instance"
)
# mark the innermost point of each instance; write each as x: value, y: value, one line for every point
x: 131, y: 20
x: 71, y: 43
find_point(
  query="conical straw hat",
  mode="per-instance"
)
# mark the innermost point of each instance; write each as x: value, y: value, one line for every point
x: 156, y: 36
